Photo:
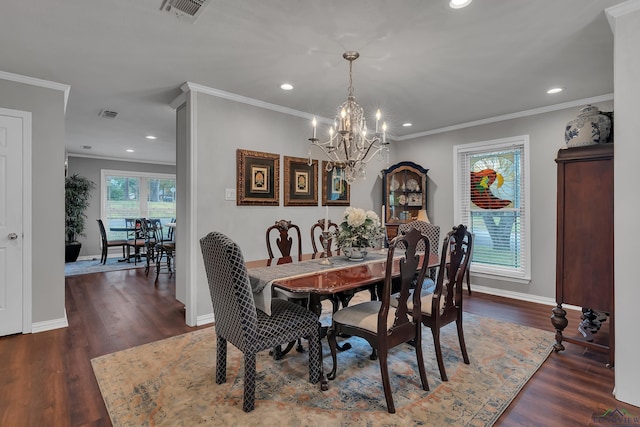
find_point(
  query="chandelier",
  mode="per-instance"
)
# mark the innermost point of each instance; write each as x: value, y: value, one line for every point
x: 350, y: 145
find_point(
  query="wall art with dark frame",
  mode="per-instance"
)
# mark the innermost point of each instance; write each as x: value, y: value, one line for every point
x: 300, y: 182
x: 335, y: 189
x: 258, y: 178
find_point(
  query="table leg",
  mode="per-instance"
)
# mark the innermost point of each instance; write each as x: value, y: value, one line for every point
x: 315, y: 305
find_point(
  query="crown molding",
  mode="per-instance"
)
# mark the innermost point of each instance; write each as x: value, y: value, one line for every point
x: 519, y: 114
x: 619, y: 10
x: 118, y: 159
x: 38, y: 82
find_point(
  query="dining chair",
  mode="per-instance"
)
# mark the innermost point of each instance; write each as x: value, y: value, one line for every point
x: 240, y: 323
x: 135, y: 238
x: 317, y: 239
x: 382, y: 324
x: 433, y: 233
x: 164, y: 248
x: 443, y: 304
x: 106, y: 244
x: 287, y: 236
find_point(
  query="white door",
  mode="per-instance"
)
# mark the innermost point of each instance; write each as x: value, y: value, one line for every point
x: 11, y: 238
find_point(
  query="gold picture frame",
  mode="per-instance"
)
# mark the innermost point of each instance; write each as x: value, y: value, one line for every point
x: 257, y: 178
x: 335, y: 189
x: 300, y: 182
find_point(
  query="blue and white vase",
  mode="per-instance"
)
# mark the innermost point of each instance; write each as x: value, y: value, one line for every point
x: 589, y: 128
x: 354, y: 253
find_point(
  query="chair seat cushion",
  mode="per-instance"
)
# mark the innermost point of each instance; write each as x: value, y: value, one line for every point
x: 136, y: 242
x: 426, y: 295
x: 285, y: 323
x: 363, y: 316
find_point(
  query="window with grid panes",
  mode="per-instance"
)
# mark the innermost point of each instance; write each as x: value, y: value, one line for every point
x: 491, y: 197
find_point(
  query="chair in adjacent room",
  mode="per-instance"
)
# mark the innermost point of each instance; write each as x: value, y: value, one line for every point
x: 238, y: 321
x: 317, y: 239
x: 136, y: 238
x: 380, y: 323
x: 444, y: 304
x: 165, y: 248
x: 106, y: 244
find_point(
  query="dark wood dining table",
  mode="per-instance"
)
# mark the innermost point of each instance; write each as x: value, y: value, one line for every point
x: 323, y: 283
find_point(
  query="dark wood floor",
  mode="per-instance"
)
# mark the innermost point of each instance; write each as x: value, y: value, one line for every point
x: 46, y: 378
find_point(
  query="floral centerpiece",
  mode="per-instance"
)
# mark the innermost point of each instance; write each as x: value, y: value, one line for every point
x: 360, y: 229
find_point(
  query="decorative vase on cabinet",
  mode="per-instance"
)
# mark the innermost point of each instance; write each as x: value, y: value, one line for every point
x: 404, y: 194
x: 589, y: 128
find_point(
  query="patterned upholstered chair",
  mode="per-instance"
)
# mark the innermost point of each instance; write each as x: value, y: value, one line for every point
x: 238, y: 321
x: 431, y: 231
x: 383, y: 325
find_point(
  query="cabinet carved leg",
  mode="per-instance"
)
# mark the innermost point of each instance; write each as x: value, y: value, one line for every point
x: 559, y: 322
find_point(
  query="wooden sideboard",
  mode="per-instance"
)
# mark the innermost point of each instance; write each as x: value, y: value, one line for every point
x: 584, y: 247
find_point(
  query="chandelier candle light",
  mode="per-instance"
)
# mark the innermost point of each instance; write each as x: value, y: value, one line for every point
x: 349, y: 144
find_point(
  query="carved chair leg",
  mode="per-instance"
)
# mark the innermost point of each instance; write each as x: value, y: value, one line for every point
x: 436, y: 344
x: 384, y: 371
x: 420, y: 358
x: 333, y: 345
x: 463, y: 347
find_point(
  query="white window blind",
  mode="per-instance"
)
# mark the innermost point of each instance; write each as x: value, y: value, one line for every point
x: 492, y: 200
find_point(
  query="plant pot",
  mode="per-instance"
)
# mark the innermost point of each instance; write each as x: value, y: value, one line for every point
x: 72, y: 251
x: 355, y: 254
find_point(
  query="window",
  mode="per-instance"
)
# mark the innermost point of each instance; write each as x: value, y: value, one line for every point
x: 491, y: 197
x: 128, y: 194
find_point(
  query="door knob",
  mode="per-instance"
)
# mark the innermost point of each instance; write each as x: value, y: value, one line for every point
x: 13, y: 236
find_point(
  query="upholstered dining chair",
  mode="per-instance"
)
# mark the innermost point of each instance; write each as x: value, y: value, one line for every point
x: 432, y: 231
x: 106, y: 244
x: 443, y: 305
x: 317, y: 238
x: 240, y: 323
x: 383, y: 325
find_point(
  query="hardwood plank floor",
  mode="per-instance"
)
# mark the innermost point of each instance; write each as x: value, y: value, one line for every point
x: 46, y: 378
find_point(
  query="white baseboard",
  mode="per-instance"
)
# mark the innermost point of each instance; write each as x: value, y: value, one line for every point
x: 49, y: 325
x: 520, y: 296
x: 205, y: 319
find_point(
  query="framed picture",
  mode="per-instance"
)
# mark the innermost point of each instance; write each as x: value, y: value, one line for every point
x: 335, y: 189
x: 258, y: 178
x: 300, y: 182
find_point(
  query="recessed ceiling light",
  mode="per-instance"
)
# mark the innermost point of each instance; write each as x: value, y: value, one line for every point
x: 129, y: 150
x: 286, y: 86
x: 151, y: 137
x: 407, y: 124
x: 459, y: 4
x: 555, y: 90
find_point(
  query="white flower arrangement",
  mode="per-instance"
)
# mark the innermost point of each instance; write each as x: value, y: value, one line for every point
x: 360, y: 229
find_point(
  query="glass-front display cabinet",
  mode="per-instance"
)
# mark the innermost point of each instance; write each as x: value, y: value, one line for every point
x: 404, y: 188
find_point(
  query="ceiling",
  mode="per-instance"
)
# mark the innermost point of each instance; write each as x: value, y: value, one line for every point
x: 420, y: 61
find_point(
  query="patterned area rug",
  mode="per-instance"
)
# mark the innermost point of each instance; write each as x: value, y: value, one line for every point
x: 172, y: 382
x: 94, y: 266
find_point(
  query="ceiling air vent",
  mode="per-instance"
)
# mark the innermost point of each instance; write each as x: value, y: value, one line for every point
x: 108, y: 114
x: 187, y: 9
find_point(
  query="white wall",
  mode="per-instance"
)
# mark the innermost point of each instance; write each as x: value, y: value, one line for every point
x: 626, y: 25
x: 546, y: 132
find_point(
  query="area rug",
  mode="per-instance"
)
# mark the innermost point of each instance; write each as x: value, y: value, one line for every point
x: 172, y: 382
x: 95, y: 266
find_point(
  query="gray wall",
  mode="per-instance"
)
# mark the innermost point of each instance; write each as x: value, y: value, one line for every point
x: 91, y: 168
x: 48, y: 135
x: 546, y: 136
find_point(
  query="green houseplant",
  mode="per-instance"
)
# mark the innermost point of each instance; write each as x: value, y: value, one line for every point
x: 77, y: 193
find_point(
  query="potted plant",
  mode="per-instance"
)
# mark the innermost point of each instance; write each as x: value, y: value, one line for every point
x: 77, y: 193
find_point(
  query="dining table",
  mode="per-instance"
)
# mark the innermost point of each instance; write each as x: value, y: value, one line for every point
x: 321, y: 281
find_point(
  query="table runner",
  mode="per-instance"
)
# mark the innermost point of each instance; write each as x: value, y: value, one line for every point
x: 262, y: 278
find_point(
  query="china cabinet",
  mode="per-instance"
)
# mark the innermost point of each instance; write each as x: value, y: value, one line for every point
x: 584, y: 246
x: 404, y: 194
